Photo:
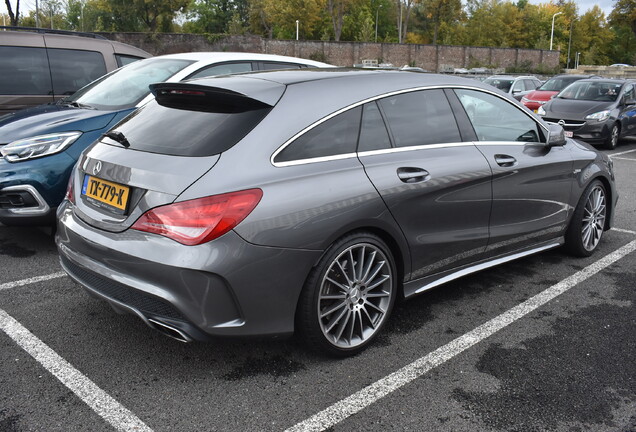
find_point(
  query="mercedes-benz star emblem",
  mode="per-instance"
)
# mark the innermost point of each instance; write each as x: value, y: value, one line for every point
x: 97, y: 167
x: 561, y: 123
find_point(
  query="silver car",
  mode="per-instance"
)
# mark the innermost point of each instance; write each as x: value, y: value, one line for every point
x: 307, y: 201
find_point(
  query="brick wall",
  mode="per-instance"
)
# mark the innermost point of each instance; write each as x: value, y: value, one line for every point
x: 429, y: 57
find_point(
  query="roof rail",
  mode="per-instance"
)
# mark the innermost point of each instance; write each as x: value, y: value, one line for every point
x: 52, y: 31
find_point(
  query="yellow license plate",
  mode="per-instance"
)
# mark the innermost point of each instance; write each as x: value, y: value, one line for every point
x: 101, y: 191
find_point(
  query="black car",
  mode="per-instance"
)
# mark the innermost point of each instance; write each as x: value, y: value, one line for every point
x: 598, y: 111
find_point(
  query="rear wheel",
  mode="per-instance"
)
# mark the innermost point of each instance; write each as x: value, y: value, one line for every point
x: 349, y: 296
x: 612, y: 140
x: 588, y: 221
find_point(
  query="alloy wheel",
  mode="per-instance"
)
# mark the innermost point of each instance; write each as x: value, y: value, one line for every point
x: 355, y: 295
x: 593, y: 218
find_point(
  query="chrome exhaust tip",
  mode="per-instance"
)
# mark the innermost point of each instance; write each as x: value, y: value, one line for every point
x: 169, y: 330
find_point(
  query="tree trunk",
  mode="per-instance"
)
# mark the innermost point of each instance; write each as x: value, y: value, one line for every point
x: 13, y: 18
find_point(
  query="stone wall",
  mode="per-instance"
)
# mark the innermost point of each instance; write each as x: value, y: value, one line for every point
x: 430, y: 57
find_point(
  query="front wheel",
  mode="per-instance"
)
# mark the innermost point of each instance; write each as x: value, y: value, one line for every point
x: 588, y: 221
x: 612, y: 140
x: 348, y: 296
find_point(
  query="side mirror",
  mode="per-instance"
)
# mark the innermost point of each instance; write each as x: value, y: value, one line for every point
x: 630, y: 102
x: 557, y: 135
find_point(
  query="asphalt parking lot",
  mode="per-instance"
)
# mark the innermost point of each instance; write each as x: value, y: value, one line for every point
x: 545, y: 343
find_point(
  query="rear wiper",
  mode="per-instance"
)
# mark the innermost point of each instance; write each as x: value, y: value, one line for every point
x: 119, y: 137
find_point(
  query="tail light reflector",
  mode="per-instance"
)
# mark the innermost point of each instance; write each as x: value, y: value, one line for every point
x: 70, y: 190
x: 200, y: 220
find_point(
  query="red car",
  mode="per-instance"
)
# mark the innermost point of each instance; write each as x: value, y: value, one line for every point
x: 551, y: 87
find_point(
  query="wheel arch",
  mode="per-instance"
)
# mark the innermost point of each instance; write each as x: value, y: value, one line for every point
x: 610, y: 199
x: 399, y: 252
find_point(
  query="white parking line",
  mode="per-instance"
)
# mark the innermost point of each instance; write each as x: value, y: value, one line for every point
x: 96, y: 398
x: 621, y: 153
x: 15, y: 284
x: 621, y: 230
x: 362, y: 399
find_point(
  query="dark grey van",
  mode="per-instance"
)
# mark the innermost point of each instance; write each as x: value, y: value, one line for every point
x: 40, y: 66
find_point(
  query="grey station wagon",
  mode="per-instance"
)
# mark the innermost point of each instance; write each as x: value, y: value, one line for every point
x: 308, y: 201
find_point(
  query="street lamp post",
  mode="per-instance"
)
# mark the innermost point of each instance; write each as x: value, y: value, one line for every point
x: 296, y: 29
x: 552, y: 32
x: 376, y: 22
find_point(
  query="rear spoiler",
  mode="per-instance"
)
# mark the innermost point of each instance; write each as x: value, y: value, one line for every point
x: 194, y: 97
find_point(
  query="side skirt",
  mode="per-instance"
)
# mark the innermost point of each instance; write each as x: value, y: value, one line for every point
x: 423, y: 284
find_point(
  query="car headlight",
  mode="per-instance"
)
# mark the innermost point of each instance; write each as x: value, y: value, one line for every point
x: 541, y: 111
x: 38, y: 146
x: 600, y: 116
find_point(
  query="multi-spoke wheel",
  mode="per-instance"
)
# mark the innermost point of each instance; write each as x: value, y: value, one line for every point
x: 612, y: 140
x: 588, y: 221
x: 349, y: 295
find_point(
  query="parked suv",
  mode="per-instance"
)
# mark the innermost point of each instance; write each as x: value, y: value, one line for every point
x: 40, y: 145
x: 515, y: 86
x: 40, y: 66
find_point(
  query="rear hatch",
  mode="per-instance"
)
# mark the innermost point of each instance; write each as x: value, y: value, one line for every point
x: 154, y: 154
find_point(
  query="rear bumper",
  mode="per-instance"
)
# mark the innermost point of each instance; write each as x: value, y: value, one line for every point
x: 226, y: 287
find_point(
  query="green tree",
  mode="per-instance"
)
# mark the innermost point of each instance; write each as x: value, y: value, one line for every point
x: 624, y: 13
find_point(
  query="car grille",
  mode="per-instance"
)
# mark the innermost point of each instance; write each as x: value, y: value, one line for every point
x: 568, y: 125
x: 142, y: 302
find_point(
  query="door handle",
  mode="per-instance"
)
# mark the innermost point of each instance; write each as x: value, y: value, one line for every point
x: 412, y: 174
x: 505, y: 160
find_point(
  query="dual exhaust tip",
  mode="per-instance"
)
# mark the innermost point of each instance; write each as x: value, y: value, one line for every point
x: 169, y: 330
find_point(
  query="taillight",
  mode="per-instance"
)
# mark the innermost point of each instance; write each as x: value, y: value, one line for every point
x: 200, y: 220
x: 70, y: 190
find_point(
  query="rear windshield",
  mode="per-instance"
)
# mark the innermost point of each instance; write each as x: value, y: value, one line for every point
x: 158, y: 129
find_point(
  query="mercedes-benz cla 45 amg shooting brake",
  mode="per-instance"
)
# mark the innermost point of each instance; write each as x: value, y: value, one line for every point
x: 309, y: 201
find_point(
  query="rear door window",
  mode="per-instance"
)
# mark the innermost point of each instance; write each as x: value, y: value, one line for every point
x: 24, y: 71
x: 73, y: 69
x: 420, y: 118
x: 373, y: 133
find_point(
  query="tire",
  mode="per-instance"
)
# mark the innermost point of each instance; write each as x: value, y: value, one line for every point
x: 612, y: 140
x: 348, y: 296
x: 588, y: 221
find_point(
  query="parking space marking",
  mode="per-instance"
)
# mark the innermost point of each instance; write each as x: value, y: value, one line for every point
x: 626, y: 231
x: 355, y: 403
x: 15, y: 284
x: 96, y: 398
x: 613, y: 155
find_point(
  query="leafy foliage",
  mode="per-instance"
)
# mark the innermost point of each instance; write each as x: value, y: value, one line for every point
x: 599, y: 39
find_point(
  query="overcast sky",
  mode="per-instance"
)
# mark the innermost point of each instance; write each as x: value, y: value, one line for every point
x: 584, y: 5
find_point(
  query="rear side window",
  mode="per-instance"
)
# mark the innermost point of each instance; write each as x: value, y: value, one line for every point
x: 123, y: 60
x: 223, y: 69
x: 420, y: 118
x: 336, y: 136
x: 73, y: 69
x: 24, y: 71
x: 180, y: 132
x: 276, y: 65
